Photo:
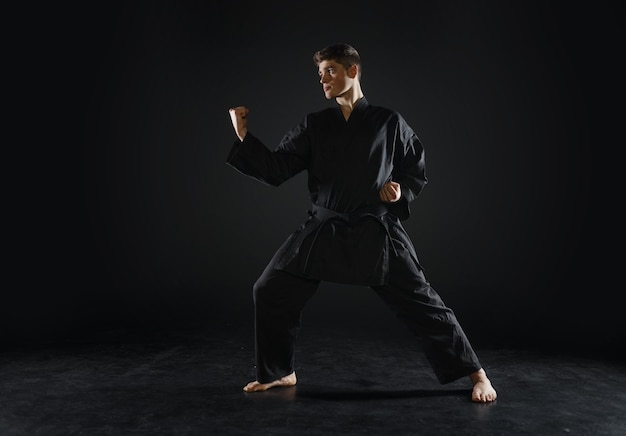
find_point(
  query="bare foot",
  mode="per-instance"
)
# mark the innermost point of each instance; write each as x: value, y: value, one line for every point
x: 255, y: 386
x: 483, y: 392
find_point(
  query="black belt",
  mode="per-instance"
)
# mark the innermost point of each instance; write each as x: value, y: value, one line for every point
x: 375, y: 212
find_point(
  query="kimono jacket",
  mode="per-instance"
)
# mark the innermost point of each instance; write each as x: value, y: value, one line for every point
x: 350, y: 233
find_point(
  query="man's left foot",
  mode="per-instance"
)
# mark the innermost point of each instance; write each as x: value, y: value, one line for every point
x: 483, y: 392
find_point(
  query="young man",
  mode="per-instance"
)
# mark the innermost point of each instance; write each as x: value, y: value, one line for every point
x: 365, y: 165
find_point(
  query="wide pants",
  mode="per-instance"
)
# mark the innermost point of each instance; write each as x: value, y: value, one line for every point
x: 280, y: 297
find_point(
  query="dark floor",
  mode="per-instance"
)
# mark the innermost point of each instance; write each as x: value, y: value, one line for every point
x: 190, y: 384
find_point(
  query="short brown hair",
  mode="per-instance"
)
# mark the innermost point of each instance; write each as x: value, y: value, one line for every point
x: 344, y: 54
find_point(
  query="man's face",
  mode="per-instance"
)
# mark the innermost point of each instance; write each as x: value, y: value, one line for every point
x: 334, y: 78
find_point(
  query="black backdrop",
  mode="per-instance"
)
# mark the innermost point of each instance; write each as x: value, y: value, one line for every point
x: 127, y: 215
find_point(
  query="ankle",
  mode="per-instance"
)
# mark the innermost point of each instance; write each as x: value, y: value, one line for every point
x: 479, y: 376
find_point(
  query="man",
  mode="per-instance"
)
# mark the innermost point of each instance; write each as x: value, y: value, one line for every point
x: 365, y: 165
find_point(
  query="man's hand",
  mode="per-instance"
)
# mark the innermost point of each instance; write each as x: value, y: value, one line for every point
x: 238, y: 115
x: 390, y: 192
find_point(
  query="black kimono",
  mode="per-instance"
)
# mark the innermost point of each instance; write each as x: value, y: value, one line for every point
x: 350, y: 236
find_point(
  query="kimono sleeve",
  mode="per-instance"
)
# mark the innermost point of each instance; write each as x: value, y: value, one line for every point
x: 252, y: 158
x: 409, y: 168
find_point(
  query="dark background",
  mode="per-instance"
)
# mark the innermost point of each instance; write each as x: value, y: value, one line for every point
x: 126, y: 216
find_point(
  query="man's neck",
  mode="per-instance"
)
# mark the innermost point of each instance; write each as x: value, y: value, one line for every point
x: 348, y: 100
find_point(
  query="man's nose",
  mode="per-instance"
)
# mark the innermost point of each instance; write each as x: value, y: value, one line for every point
x: 323, y: 78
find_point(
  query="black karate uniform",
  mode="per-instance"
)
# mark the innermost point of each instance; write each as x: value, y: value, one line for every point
x: 350, y: 236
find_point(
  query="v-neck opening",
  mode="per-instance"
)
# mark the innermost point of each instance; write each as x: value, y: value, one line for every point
x: 358, y: 107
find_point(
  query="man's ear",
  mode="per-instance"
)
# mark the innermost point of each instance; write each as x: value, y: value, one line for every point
x: 353, y: 71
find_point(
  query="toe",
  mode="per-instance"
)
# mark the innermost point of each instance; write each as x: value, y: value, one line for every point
x: 251, y: 387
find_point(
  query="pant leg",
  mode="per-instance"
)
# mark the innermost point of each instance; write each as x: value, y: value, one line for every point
x: 279, y: 298
x: 416, y: 304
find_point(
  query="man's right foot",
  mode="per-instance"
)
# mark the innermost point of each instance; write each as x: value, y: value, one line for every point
x: 255, y: 386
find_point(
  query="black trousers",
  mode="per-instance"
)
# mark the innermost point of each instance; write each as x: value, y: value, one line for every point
x: 279, y: 298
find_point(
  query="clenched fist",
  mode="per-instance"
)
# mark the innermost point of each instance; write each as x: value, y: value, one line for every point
x: 390, y: 192
x: 239, y: 115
